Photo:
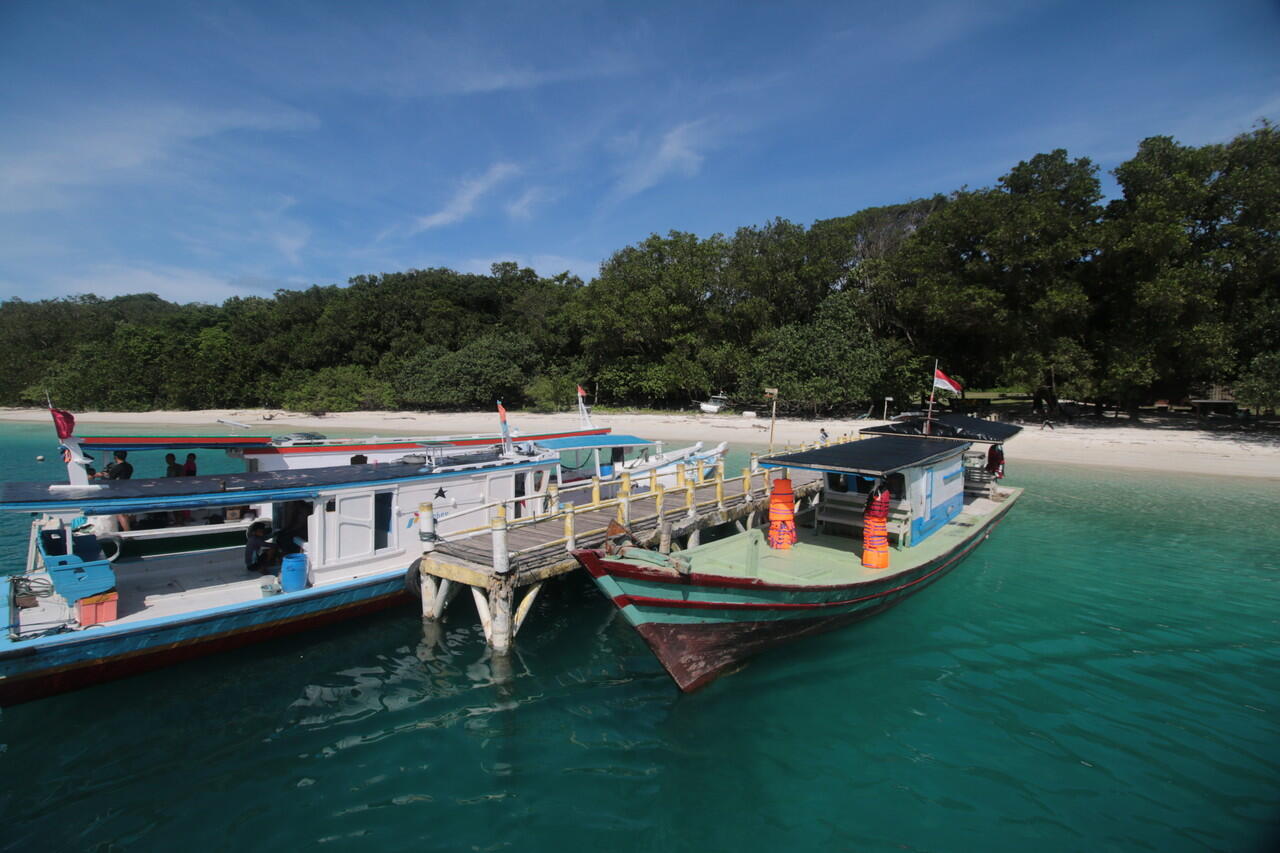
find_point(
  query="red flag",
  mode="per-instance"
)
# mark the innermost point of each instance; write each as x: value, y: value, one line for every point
x: 945, y: 382
x: 502, y: 412
x: 64, y: 422
x: 581, y: 393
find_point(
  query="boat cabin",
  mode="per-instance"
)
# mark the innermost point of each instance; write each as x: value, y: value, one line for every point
x: 925, y: 477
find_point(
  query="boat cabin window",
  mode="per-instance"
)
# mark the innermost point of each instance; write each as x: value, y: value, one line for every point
x: 381, y: 520
x: 538, y: 477
x: 837, y: 482
x: 897, y: 485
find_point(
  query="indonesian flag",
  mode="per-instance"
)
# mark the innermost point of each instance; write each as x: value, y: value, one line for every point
x: 945, y: 382
x: 64, y: 422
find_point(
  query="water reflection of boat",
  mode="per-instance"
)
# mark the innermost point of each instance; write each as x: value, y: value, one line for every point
x: 706, y: 609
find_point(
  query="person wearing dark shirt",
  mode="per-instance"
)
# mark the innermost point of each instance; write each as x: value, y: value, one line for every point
x: 189, y: 469
x: 117, y: 470
x: 257, y: 553
x: 172, y: 468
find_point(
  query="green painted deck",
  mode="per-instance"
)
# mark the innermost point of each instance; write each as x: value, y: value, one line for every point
x: 823, y: 559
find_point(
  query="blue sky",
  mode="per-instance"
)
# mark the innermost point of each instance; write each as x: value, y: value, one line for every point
x: 210, y: 149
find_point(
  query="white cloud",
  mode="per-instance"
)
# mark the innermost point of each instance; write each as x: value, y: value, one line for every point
x: 676, y: 153
x: 464, y: 200
x: 43, y: 162
x: 522, y: 207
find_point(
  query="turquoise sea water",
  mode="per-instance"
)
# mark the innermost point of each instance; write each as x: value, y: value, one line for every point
x: 1102, y: 674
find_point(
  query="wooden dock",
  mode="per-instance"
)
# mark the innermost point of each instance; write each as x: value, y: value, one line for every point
x: 529, y: 540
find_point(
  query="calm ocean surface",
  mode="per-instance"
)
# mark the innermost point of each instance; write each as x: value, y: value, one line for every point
x: 1102, y: 674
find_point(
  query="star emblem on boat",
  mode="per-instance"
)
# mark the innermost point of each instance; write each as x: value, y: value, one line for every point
x: 440, y: 492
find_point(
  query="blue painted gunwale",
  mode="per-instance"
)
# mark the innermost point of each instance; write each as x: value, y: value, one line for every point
x: 48, y: 656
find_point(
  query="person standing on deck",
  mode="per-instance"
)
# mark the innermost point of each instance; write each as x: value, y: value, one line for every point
x: 172, y: 468
x: 189, y: 469
x: 119, y: 470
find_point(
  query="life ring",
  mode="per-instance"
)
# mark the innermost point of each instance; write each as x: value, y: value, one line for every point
x: 105, y: 539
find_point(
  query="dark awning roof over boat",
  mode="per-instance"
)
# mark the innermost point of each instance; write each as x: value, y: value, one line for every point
x: 960, y: 427
x: 103, y: 497
x: 876, y: 456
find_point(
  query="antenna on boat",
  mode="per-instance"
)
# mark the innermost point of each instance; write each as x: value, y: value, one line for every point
x: 584, y: 414
x: 933, y: 388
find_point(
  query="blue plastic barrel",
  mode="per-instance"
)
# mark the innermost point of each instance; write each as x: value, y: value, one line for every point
x: 293, y: 572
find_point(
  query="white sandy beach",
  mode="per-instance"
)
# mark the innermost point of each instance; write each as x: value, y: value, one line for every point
x: 1175, y: 446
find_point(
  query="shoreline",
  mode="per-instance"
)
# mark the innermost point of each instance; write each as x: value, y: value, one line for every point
x: 1166, y: 446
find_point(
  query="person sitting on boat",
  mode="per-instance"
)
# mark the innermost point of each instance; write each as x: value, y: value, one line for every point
x: 117, y: 470
x: 258, y: 553
x: 172, y: 468
x: 189, y: 469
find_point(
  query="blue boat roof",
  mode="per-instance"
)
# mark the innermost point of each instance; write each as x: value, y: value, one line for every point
x: 585, y: 442
x: 164, y: 493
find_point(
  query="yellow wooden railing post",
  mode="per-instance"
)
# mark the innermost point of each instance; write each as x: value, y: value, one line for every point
x: 697, y: 472
x: 624, y: 500
x: 653, y: 479
x: 680, y: 478
x: 720, y: 486
x: 746, y: 482
x: 658, y: 495
x: 595, y: 490
x: 571, y: 541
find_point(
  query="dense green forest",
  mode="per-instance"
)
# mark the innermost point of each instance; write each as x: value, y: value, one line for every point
x: 1173, y: 284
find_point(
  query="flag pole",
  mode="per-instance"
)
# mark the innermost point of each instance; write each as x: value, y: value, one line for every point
x: 933, y: 389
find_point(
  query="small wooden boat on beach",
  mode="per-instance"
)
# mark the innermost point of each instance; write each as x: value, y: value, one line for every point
x: 703, y: 611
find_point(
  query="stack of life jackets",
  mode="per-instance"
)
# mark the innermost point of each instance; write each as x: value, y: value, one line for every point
x: 782, y: 515
x: 875, y: 533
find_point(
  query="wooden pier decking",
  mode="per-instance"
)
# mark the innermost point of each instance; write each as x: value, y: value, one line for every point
x: 530, y: 539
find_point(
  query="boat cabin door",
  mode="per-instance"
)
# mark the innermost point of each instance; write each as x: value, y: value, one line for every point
x: 357, y: 524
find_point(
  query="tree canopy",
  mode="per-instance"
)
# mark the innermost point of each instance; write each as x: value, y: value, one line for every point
x: 1172, y: 284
